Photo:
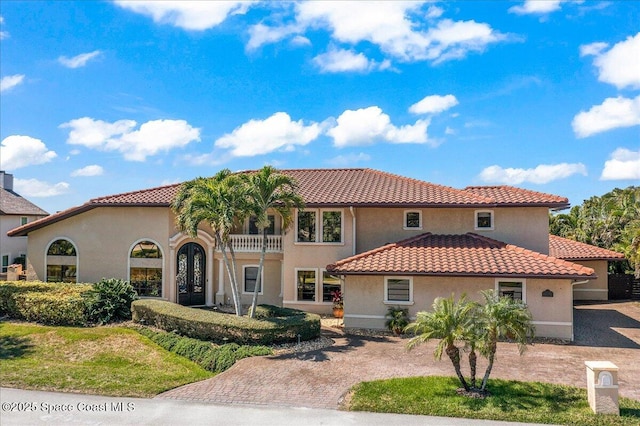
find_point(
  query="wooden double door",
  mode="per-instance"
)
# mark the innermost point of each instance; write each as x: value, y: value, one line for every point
x: 191, y: 274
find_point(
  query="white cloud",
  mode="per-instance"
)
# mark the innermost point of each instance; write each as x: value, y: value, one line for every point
x: 613, y: 113
x: 433, y: 104
x: 92, y: 170
x: 544, y: 173
x: 20, y: 151
x: 624, y: 164
x: 37, y: 188
x: 3, y: 34
x: 348, y: 160
x: 342, y: 60
x: 449, y: 131
x: 536, y: 7
x: 10, y: 81
x: 277, y: 132
x: 395, y: 27
x: 78, y: 60
x: 135, y: 145
x: 189, y: 15
x: 619, y: 65
x: 368, y: 125
x: 434, y: 12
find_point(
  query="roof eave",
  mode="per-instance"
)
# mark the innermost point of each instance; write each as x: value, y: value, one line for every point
x: 467, y: 274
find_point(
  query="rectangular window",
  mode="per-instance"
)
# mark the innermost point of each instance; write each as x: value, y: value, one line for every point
x: 484, y: 220
x: 328, y: 230
x: 61, y: 273
x: 253, y: 227
x: 413, y: 219
x: 514, y: 290
x: 5, y: 263
x: 306, y: 280
x: 147, y: 281
x: 23, y: 220
x: 398, y: 290
x: 330, y: 283
x: 331, y: 227
x: 306, y: 226
x: 250, y: 279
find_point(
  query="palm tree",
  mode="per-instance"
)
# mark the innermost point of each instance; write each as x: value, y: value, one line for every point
x: 503, y: 317
x: 220, y: 202
x: 268, y: 190
x: 450, y: 321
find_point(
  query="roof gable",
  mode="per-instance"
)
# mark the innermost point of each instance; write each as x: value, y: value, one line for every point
x: 14, y: 204
x: 458, y: 255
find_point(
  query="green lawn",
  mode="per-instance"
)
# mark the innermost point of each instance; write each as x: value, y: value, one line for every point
x: 103, y: 360
x: 510, y: 400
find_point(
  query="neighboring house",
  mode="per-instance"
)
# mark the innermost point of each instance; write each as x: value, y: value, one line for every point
x: 451, y: 241
x: 590, y: 256
x: 14, y: 211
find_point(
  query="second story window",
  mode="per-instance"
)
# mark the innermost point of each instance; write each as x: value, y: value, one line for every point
x: 23, y: 220
x: 412, y: 219
x: 311, y: 230
x: 253, y: 226
x: 483, y: 220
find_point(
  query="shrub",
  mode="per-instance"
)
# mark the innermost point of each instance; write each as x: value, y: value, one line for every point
x: 45, y: 303
x: 397, y: 319
x: 210, y: 357
x: 275, y: 324
x: 110, y: 300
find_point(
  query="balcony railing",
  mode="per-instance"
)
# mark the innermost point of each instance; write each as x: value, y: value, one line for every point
x: 253, y: 243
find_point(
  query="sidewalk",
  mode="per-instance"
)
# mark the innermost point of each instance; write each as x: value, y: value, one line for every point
x: 20, y: 407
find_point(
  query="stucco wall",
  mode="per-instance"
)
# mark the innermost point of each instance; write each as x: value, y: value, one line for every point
x: 103, y: 238
x: 524, y: 227
x: 597, y: 289
x: 365, y: 308
x: 12, y: 246
x: 271, y: 283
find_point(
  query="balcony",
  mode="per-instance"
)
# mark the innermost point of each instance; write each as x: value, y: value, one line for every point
x: 249, y: 243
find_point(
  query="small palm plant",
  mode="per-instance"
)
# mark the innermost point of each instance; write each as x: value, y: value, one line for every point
x: 397, y: 319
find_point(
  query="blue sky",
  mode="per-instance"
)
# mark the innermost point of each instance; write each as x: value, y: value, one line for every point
x: 106, y: 97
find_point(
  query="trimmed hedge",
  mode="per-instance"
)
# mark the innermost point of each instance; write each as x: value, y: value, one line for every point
x: 45, y: 303
x: 275, y: 325
x: 213, y: 358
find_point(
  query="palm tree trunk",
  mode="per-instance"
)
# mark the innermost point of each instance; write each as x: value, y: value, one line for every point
x: 232, y: 282
x: 492, y: 353
x: 454, y: 355
x: 254, y: 301
x: 472, y: 366
x: 234, y: 279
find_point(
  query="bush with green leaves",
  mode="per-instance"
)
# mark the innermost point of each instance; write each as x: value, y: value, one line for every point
x: 276, y: 325
x: 209, y: 356
x: 397, y: 319
x: 45, y: 303
x: 110, y: 300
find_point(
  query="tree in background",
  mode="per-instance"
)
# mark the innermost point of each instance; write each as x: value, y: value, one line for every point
x: 611, y: 221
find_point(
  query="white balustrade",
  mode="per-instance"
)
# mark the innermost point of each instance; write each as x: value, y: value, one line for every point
x: 253, y: 243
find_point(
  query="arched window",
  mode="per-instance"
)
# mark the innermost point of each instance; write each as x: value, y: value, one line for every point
x: 145, y: 268
x: 62, y: 262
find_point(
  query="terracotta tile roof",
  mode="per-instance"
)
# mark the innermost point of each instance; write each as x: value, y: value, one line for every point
x: 563, y: 248
x: 458, y: 255
x: 14, y: 204
x: 509, y: 195
x: 339, y: 187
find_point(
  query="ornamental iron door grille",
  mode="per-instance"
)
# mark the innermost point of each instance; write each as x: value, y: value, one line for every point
x: 190, y: 278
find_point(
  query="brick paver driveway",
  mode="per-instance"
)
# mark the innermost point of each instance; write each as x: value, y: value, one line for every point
x: 608, y: 331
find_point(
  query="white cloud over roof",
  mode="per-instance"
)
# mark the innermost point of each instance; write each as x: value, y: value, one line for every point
x: 433, y: 104
x: 613, y: 113
x: 274, y: 133
x: 151, y: 138
x: 536, y: 7
x: 17, y: 151
x: 87, y: 171
x: 543, y: 173
x: 80, y: 60
x: 623, y: 164
x: 619, y: 65
x: 343, y: 60
x: 10, y: 81
x: 37, y: 188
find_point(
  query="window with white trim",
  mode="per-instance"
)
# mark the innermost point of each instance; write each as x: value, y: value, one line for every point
x: 5, y: 264
x: 23, y: 220
x: 253, y: 225
x: 250, y: 274
x: 145, y: 268
x: 330, y: 284
x: 516, y: 290
x: 484, y: 220
x: 62, y: 262
x: 398, y: 290
x: 412, y: 219
x: 306, y: 285
x: 326, y: 230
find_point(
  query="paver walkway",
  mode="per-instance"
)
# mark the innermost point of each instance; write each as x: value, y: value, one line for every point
x: 319, y: 379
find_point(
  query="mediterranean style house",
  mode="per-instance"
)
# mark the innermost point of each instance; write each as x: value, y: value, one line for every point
x: 14, y: 211
x: 384, y: 239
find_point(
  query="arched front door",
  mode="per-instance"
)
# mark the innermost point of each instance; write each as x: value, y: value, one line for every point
x: 190, y: 278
